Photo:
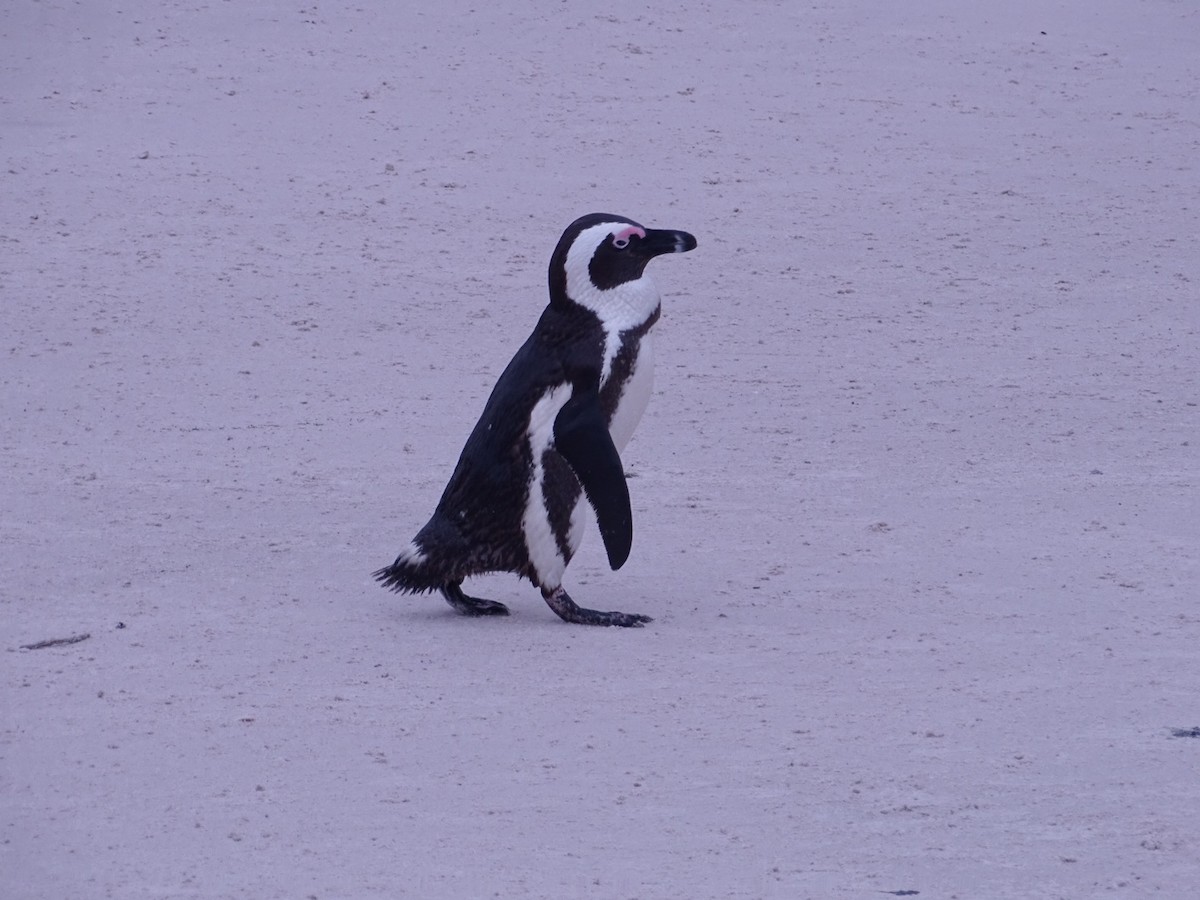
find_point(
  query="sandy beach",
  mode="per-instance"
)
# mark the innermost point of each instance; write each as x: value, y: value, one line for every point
x: 916, y: 498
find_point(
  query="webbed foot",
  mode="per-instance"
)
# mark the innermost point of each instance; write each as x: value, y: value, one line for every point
x: 567, y: 610
x: 471, y: 606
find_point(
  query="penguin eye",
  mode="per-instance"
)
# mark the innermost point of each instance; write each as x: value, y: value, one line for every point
x: 621, y: 243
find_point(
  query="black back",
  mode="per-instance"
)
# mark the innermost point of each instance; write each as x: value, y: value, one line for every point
x: 481, y: 508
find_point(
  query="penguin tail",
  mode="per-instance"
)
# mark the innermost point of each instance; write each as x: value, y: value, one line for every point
x: 431, y: 561
x: 410, y: 573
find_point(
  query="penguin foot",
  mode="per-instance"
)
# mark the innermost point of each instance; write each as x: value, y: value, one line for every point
x: 471, y: 606
x: 567, y: 610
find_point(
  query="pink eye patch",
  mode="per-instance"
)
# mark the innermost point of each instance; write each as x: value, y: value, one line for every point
x: 621, y: 238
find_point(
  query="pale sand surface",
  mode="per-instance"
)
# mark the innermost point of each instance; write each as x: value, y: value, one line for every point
x: 916, y: 499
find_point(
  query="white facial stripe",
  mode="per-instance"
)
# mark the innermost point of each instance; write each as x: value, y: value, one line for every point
x: 539, y: 536
x: 625, y: 306
x: 581, y: 252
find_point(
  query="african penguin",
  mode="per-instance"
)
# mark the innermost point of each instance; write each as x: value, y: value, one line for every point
x: 552, y: 431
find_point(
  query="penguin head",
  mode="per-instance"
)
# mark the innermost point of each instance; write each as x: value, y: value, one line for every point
x: 600, y: 259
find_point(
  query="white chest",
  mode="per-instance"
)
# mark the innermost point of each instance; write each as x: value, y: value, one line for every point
x: 635, y: 395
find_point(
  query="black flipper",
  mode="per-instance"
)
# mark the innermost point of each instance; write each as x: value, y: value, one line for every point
x: 581, y: 436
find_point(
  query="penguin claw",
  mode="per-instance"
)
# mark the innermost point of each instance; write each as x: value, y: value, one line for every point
x: 471, y: 606
x: 567, y: 610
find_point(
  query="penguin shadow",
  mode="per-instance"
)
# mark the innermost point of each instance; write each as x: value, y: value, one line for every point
x: 449, y: 618
x: 522, y: 615
x: 527, y: 613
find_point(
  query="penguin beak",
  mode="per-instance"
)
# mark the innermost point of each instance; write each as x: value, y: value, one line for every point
x: 659, y: 241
